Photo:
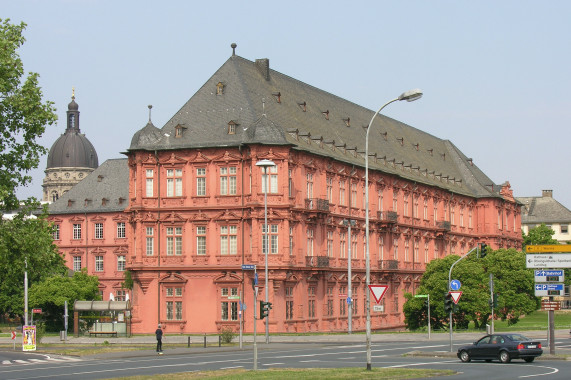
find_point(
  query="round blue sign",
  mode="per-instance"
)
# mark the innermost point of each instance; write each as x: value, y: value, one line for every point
x: 455, y: 285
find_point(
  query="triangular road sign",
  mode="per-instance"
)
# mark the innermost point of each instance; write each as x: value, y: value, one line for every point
x: 378, y: 291
x: 455, y: 296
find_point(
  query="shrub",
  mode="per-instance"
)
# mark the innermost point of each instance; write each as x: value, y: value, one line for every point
x: 227, y: 335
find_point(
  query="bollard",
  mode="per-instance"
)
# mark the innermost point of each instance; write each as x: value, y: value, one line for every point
x: 219, y: 340
x: 188, y: 342
x: 204, y: 340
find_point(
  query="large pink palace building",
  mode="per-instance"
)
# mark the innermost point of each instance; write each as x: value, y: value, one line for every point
x: 185, y: 210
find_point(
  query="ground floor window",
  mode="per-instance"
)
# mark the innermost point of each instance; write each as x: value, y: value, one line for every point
x: 229, y: 304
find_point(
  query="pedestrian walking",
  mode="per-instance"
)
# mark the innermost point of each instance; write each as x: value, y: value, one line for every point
x: 159, y: 335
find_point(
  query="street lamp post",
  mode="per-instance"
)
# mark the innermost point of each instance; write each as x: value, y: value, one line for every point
x: 265, y: 164
x: 409, y: 96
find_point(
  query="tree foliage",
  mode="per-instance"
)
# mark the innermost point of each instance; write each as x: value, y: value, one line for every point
x: 539, y: 235
x: 51, y: 293
x: 23, y: 116
x: 513, y: 284
x: 25, y: 240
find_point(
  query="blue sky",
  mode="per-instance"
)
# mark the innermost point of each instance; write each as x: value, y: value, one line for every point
x: 496, y: 74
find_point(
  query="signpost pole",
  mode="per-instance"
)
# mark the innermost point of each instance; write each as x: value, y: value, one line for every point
x: 255, y: 320
x: 428, y: 316
x: 492, y: 298
x: 551, y: 318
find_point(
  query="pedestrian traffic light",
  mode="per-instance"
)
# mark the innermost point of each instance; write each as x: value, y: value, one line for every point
x: 483, y: 251
x: 448, y: 303
x: 265, y: 309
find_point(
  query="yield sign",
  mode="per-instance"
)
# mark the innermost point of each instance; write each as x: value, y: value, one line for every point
x: 378, y: 291
x: 455, y: 296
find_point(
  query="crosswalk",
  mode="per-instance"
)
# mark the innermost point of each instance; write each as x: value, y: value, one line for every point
x: 46, y: 359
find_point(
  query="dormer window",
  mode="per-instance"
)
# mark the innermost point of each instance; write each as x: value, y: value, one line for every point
x: 220, y: 88
x: 178, y: 130
x: 232, y: 127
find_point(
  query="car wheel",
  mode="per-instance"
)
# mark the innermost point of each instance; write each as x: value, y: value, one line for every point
x: 465, y: 356
x: 529, y: 360
x: 505, y: 357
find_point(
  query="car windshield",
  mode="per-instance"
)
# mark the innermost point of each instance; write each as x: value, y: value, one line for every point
x: 517, y: 337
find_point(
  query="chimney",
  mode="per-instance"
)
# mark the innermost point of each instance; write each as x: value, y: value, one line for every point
x: 547, y: 193
x: 264, y: 66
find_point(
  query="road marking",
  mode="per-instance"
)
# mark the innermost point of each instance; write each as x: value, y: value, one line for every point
x: 238, y: 366
x: 417, y: 364
x: 554, y: 370
x: 269, y: 364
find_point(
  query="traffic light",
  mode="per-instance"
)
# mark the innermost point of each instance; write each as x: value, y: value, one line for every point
x: 483, y: 251
x: 448, y: 303
x: 265, y: 309
x: 493, y: 303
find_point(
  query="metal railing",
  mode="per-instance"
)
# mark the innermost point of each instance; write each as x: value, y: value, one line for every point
x: 317, y: 204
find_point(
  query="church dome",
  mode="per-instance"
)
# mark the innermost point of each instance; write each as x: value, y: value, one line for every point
x: 72, y: 149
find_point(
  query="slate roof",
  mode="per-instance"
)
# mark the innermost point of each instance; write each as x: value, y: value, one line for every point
x: 537, y: 210
x: 109, y: 181
x: 271, y: 108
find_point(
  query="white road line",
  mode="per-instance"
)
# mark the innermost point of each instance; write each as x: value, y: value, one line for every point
x: 554, y: 370
x: 269, y: 364
x: 6, y: 362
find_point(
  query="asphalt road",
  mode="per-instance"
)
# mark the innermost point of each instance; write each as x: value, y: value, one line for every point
x: 324, y: 354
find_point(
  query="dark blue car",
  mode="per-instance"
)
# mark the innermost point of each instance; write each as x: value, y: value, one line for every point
x: 503, y: 347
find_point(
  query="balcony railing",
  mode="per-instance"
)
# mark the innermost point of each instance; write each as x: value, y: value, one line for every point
x: 387, y: 216
x: 317, y: 261
x: 443, y: 225
x: 317, y: 204
x: 389, y: 264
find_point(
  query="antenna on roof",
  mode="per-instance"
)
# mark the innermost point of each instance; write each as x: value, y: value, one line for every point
x: 233, y: 46
x: 150, y: 107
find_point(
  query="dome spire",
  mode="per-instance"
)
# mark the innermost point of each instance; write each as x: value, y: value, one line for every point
x: 72, y: 114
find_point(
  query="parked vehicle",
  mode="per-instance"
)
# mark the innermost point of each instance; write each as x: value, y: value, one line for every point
x: 503, y: 347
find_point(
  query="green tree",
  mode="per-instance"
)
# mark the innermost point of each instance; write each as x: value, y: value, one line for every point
x: 51, y: 293
x: 23, y: 116
x: 513, y: 283
x: 539, y: 235
x: 26, y: 243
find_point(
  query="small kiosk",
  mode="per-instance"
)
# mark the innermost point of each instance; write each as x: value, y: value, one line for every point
x: 102, y: 318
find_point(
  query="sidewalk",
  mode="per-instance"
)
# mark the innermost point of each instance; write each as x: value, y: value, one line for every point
x: 285, y: 338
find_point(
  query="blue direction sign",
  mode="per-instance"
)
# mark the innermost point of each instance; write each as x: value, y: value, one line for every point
x: 549, y: 290
x: 455, y: 285
x: 348, y: 300
x: 549, y: 275
x: 248, y: 267
x: 256, y: 279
